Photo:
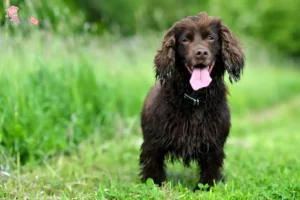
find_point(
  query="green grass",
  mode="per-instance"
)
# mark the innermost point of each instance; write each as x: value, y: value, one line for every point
x: 70, y: 123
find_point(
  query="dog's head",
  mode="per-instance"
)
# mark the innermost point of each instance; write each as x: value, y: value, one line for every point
x: 200, y: 47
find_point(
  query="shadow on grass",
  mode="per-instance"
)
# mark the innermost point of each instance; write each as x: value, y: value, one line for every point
x: 177, y: 174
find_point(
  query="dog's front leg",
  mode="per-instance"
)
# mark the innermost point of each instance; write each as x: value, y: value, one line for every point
x: 211, y: 165
x: 152, y: 164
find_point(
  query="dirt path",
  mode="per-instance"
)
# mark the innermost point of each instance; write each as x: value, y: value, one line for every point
x: 273, y: 111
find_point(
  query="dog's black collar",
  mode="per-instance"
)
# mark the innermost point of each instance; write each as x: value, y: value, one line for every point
x: 194, y: 101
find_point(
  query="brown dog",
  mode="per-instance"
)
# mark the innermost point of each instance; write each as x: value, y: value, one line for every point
x: 186, y: 115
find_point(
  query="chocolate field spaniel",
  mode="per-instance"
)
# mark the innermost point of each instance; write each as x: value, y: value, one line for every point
x: 185, y: 115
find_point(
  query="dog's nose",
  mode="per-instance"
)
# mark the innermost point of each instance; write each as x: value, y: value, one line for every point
x: 201, y: 53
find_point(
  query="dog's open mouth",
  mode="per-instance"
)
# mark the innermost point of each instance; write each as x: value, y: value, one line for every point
x: 200, y: 75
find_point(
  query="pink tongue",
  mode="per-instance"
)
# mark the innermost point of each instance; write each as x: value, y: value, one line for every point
x: 200, y: 78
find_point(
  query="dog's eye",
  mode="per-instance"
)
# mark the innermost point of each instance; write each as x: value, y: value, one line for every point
x: 210, y: 37
x: 185, y: 40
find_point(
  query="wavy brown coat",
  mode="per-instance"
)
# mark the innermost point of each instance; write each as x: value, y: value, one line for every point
x: 177, y: 129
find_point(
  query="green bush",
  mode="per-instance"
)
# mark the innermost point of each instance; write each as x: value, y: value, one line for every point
x: 55, y: 15
x: 273, y: 22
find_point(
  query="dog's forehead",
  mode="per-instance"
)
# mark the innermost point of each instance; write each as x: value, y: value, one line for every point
x: 201, y: 21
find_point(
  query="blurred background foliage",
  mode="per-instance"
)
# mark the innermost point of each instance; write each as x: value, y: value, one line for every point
x: 271, y: 21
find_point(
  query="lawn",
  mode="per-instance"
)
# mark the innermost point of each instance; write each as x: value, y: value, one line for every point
x: 70, y: 123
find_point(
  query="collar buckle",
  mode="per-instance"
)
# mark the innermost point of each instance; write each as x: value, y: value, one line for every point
x: 194, y: 101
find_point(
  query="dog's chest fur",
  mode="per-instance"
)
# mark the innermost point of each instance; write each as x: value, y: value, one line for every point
x: 189, y: 133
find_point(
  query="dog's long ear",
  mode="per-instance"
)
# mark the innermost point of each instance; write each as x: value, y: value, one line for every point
x: 232, y: 54
x: 165, y: 58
